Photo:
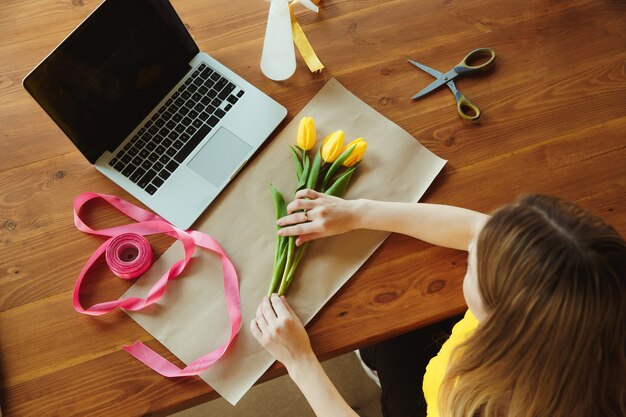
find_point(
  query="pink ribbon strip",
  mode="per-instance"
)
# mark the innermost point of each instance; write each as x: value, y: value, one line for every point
x: 149, y: 224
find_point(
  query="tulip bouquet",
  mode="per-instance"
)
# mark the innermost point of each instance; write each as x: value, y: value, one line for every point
x: 329, y: 172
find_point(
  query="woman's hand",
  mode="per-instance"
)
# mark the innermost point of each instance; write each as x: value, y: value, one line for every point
x: 313, y: 215
x: 278, y: 329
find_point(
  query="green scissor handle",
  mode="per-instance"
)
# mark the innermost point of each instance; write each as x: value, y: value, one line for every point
x: 467, y: 110
x: 465, y: 66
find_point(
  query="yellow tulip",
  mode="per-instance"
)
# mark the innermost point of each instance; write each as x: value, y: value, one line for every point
x: 306, y: 133
x: 332, y: 146
x: 357, y: 153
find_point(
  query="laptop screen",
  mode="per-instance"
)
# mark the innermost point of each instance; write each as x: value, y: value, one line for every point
x: 112, y: 71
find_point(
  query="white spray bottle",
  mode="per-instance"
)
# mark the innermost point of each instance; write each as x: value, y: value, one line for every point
x: 278, y: 59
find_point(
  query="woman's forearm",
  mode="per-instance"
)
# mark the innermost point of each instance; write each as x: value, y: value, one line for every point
x: 440, y: 225
x: 319, y: 391
x: 313, y: 215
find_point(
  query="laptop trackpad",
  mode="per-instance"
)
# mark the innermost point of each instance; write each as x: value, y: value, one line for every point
x: 220, y: 157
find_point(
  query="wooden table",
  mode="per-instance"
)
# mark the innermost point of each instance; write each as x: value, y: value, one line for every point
x: 554, y: 121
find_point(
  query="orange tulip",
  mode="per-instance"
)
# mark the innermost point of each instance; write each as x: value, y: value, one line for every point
x: 357, y: 153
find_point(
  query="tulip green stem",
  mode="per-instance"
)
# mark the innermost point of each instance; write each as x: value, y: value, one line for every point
x: 296, y: 260
x: 284, y: 282
x: 279, y: 266
x: 290, y: 270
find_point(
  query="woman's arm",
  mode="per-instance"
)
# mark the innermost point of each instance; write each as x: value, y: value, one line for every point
x: 441, y: 225
x: 281, y: 333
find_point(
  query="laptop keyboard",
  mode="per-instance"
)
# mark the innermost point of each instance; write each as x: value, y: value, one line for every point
x: 169, y: 136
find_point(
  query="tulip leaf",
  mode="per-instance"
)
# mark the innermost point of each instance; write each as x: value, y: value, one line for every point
x: 336, y: 165
x: 280, y: 207
x: 280, y: 210
x: 340, y: 185
x: 298, y: 163
x: 306, y: 166
x: 315, y: 171
x: 280, y: 254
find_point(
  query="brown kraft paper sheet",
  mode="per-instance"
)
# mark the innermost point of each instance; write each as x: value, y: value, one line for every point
x: 191, y: 319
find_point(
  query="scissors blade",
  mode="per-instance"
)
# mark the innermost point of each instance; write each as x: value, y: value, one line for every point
x: 454, y: 90
x: 426, y: 69
x: 441, y: 80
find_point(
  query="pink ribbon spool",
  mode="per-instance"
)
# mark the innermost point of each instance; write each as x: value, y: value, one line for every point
x: 129, y: 255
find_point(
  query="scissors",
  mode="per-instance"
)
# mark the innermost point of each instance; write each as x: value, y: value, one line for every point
x: 467, y: 110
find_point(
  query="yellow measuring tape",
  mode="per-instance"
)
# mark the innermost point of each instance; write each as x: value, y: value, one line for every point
x: 302, y: 43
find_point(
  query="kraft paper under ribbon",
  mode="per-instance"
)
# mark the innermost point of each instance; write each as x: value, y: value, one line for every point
x: 302, y: 43
x: 396, y: 168
x: 128, y: 255
x: 148, y: 224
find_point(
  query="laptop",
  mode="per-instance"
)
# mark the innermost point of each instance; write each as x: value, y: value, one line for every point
x: 166, y: 122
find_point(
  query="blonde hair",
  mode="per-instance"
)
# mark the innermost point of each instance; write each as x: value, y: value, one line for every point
x: 552, y: 280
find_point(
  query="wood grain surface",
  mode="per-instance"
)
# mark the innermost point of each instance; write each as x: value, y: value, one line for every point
x: 554, y: 121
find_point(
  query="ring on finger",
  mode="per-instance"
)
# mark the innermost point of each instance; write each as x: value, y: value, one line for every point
x: 306, y: 217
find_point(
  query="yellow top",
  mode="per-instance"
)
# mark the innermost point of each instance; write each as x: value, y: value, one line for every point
x: 436, y: 369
